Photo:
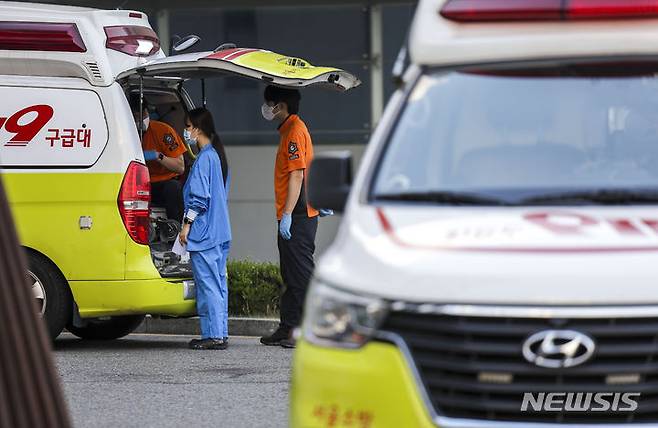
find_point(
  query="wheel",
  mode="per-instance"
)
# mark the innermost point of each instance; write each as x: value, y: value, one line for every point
x: 52, y: 293
x: 107, y: 329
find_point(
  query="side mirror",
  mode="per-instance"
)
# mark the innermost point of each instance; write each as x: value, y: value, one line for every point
x: 185, y: 43
x: 330, y: 179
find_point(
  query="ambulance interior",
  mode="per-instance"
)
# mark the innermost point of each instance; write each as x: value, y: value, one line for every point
x: 166, y: 104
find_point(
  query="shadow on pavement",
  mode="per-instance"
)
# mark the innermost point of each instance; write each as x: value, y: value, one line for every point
x: 73, y: 343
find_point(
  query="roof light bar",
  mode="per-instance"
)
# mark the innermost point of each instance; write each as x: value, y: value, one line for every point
x: 40, y: 36
x: 133, y: 40
x: 547, y: 10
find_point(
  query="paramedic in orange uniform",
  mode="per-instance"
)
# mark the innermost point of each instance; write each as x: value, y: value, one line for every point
x: 163, y: 153
x: 298, y: 221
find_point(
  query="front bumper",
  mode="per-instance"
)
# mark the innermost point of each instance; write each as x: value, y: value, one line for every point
x: 368, y: 387
x: 130, y: 297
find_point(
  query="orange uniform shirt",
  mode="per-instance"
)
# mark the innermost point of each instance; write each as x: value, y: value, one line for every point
x: 295, y: 152
x: 163, y: 139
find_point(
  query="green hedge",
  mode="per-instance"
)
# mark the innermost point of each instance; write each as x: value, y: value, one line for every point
x: 253, y: 289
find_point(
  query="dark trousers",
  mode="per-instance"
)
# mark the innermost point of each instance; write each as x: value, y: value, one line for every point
x: 296, y: 261
x: 169, y: 194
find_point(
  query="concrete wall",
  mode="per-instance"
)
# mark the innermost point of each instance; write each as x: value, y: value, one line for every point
x: 251, y: 202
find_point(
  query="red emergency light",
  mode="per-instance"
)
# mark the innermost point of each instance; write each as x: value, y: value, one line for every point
x: 547, y: 10
x: 133, y: 40
x: 40, y: 36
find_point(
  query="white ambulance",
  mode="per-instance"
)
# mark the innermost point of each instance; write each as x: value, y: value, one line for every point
x: 72, y: 164
x: 497, y: 265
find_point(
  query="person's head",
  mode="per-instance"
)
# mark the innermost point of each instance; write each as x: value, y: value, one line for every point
x: 134, y: 107
x: 280, y: 102
x: 200, y: 128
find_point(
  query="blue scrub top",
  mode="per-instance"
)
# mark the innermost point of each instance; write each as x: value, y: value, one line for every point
x: 205, y: 194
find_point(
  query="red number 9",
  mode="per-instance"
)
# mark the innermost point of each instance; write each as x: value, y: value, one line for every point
x: 26, y: 132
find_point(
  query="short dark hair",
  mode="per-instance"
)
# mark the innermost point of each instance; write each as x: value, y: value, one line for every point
x: 278, y: 95
x: 133, y: 100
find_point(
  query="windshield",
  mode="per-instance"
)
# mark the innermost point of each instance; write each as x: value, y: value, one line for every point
x: 557, y: 134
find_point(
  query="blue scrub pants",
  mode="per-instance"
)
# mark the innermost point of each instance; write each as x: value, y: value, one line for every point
x: 226, y: 247
x: 209, y: 269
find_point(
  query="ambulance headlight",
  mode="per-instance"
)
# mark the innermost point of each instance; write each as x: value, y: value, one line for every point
x: 337, y: 318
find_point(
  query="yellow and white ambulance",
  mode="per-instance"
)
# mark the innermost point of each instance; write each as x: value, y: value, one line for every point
x: 72, y: 164
x: 497, y: 263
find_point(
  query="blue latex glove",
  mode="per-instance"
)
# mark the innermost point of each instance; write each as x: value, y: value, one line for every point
x: 324, y: 212
x: 284, y: 226
x: 150, y: 155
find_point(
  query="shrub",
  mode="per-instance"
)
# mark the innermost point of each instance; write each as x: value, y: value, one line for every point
x: 253, y: 289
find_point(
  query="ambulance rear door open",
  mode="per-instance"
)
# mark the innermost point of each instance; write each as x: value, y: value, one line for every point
x: 262, y: 65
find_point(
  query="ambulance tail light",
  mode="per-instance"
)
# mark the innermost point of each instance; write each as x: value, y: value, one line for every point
x: 547, y: 10
x: 134, y: 200
x: 40, y: 36
x: 593, y: 9
x: 133, y: 40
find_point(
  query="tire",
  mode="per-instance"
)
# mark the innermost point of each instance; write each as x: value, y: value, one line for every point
x: 107, y: 329
x: 51, y: 292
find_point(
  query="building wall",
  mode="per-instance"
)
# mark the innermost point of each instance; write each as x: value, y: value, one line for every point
x: 251, y: 202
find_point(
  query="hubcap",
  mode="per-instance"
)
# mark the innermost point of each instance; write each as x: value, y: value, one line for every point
x: 39, y: 292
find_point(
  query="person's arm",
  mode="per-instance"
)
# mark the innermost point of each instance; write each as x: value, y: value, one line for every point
x: 296, y: 164
x: 295, y: 180
x: 176, y: 164
x: 198, y: 199
x: 172, y: 149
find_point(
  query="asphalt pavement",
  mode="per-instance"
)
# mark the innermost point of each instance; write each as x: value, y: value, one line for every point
x: 155, y: 381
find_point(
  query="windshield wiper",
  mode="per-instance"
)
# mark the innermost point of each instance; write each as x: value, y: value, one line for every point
x: 602, y: 196
x: 442, y: 197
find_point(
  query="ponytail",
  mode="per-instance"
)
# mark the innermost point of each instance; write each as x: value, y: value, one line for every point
x: 219, y: 148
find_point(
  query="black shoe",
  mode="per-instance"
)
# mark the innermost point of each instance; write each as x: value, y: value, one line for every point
x: 209, y: 344
x: 275, y: 339
x: 289, y: 343
x: 193, y: 342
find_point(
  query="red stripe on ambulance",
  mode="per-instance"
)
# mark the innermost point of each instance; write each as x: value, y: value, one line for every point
x: 230, y: 54
x: 553, y: 222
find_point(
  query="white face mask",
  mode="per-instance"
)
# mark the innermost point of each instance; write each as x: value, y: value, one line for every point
x: 188, y: 137
x: 146, y: 122
x: 267, y: 111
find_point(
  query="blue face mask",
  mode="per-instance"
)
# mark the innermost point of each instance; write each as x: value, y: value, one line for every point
x: 188, y: 137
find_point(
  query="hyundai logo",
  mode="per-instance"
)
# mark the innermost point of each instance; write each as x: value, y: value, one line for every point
x: 557, y: 349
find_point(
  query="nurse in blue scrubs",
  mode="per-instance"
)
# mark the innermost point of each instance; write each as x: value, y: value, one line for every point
x: 207, y: 229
